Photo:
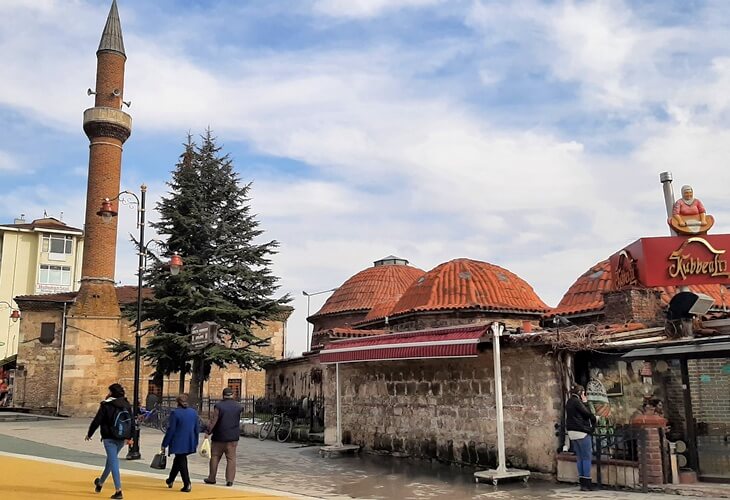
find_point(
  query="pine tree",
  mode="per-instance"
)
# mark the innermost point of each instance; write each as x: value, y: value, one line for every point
x: 226, y: 277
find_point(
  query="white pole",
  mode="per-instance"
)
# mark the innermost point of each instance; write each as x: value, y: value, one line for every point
x: 339, y: 414
x: 497, y: 329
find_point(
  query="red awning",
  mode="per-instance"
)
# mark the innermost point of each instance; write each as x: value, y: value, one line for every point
x: 458, y: 342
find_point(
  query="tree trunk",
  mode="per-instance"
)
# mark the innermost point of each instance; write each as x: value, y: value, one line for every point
x: 181, y: 384
x: 196, y: 384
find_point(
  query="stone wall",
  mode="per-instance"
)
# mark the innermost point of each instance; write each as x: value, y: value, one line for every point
x: 444, y: 409
x: 425, y: 321
x: 341, y: 320
x: 295, y: 378
x: 88, y: 368
x: 36, y: 378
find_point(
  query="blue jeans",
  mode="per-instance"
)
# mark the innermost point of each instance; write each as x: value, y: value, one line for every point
x: 112, y: 448
x: 583, y: 455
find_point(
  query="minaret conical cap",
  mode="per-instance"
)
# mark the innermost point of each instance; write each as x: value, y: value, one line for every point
x: 111, y: 38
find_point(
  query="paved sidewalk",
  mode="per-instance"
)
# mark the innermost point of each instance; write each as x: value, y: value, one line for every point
x: 294, y: 470
x: 35, y: 478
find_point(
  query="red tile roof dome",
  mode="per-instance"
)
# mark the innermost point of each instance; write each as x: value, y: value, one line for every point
x: 469, y: 284
x: 383, y: 283
x: 586, y: 294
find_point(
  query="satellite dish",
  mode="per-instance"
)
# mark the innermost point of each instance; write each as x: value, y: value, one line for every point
x: 681, y: 460
x: 116, y: 92
x: 681, y: 447
x: 680, y: 305
x: 90, y: 92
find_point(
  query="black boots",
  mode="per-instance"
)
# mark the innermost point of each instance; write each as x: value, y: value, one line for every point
x: 585, y: 484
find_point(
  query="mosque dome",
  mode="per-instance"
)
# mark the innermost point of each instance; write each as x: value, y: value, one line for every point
x: 585, y: 296
x: 383, y: 283
x: 469, y: 284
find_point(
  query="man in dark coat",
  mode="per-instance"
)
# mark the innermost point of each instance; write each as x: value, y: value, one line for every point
x: 225, y: 431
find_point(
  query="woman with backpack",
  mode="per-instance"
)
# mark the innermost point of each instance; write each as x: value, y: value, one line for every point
x: 114, y: 419
x: 181, y: 439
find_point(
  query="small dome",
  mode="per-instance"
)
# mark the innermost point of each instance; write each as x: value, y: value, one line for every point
x: 586, y: 294
x: 382, y: 283
x: 469, y: 284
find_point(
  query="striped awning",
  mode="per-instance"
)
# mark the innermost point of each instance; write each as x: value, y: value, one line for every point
x: 460, y: 342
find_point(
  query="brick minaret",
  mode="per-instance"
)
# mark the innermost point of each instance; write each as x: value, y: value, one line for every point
x: 107, y: 127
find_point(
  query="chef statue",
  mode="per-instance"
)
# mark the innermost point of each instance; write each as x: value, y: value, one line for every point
x: 689, y: 216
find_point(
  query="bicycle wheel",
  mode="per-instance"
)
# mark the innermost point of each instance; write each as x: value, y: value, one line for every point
x: 265, y: 430
x: 284, y: 430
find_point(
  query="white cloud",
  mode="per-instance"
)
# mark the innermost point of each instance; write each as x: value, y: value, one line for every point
x: 366, y: 8
x: 8, y: 162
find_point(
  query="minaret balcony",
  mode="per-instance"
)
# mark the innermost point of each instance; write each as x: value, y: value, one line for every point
x: 107, y: 122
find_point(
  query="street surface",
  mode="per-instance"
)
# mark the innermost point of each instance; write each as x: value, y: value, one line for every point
x: 286, y: 469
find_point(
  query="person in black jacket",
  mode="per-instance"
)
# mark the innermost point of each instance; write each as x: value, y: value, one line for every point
x: 104, y: 420
x: 579, y: 422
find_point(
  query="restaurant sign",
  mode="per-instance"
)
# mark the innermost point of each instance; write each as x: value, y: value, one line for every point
x: 673, y: 261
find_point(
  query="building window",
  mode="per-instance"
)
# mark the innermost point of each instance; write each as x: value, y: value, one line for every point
x: 48, y: 333
x: 57, y: 246
x: 54, y: 275
x: 235, y: 385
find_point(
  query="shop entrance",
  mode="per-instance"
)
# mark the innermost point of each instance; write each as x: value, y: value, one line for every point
x: 710, y: 389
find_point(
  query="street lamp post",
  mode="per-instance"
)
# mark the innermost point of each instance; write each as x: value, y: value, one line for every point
x: 309, y: 295
x: 15, y: 316
x: 14, y: 313
x: 107, y: 213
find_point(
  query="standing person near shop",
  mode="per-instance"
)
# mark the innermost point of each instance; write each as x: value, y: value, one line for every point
x: 224, y: 431
x: 579, y: 422
x: 181, y: 439
x: 114, y: 419
x: 3, y: 392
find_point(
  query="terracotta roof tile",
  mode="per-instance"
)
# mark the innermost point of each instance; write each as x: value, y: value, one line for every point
x: 469, y: 284
x: 372, y: 286
x: 586, y: 294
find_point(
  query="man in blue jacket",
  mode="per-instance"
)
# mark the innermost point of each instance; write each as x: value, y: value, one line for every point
x: 181, y: 439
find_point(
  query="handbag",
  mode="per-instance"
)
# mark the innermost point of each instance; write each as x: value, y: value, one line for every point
x: 205, y: 448
x: 159, y: 461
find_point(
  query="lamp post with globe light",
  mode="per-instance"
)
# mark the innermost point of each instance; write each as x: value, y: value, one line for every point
x: 107, y: 213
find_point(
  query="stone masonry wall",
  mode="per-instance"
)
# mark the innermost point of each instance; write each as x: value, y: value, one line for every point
x: 295, y: 378
x: 424, y: 321
x: 445, y: 410
x: 36, y: 380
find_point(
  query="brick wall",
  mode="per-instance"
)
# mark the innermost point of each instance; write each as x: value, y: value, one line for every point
x: 444, y: 409
x: 710, y: 386
x: 642, y: 305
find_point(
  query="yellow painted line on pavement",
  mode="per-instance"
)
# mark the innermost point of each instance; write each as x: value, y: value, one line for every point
x: 34, y: 478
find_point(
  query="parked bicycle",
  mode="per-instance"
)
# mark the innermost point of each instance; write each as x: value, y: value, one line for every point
x: 156, y: 418
x: 280, y: 424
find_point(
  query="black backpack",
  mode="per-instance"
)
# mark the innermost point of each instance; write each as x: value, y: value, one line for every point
x: 122, y: 423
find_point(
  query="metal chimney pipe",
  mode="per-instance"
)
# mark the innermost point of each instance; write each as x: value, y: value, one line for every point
x: 666, y: 179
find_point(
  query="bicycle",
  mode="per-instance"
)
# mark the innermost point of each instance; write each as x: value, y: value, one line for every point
x: 281, y: 424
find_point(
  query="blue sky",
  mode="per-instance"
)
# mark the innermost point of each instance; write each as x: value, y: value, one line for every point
x: 528, y: 133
